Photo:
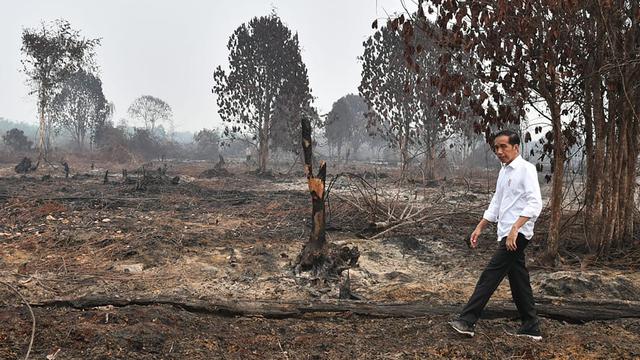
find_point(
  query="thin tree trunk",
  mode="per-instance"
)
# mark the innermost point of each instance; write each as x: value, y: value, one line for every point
x: 553, y: 239
x: 619, y: 198
x: 589, y: 214
x: 404, y: 150
x: 430, y: 161
x: 610, y: 195
x: 595, y: 228
x: 609, y: 191
x: 42, y: 142
x: 630, y: 191
x: 263, y: 149
x: 629, y: 170
x: 626, y: 44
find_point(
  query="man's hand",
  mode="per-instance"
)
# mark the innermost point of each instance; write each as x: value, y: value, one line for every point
x: 473, y: 240
x: 513, y: 234
x: 474, y: 237
x: 511, y: 240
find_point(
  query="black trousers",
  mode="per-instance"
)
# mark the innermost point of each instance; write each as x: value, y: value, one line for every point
x: 504, y: 263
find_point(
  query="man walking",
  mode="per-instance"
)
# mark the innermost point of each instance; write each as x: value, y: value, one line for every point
x: 515, y: 206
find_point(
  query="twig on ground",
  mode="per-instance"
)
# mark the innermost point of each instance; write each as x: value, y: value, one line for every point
x: 33, y: 317
x: 490, y: 340
x: 430, y: 217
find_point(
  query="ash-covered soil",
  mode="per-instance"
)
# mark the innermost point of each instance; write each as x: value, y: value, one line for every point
x: 236, y: 236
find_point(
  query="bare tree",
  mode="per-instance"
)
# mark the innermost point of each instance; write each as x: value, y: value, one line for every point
x: 150, y: 110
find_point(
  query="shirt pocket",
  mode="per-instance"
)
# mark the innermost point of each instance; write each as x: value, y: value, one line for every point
x: 515, y: 187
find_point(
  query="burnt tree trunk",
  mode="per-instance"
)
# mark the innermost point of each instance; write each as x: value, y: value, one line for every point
x: 314, y: 252
x: 569, y: 310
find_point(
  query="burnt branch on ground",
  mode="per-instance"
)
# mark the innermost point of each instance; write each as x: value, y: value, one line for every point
x: 572, y: 311
x: 373, y: 210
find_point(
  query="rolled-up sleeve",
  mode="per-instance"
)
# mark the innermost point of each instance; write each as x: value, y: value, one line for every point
x: 491, y: 214
x: 532, y: 193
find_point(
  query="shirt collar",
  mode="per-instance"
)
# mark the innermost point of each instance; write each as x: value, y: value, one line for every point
x: 515, y: 163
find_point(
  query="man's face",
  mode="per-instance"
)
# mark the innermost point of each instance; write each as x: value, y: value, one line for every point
x: 505, y: 151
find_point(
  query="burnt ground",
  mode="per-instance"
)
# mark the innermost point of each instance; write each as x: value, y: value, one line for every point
x: 234, y: 237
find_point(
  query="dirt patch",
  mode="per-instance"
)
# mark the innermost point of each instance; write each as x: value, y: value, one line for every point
x: 406, y: 244
x: 587, y: 285
x: 49, y: 208
x: 212, y: 173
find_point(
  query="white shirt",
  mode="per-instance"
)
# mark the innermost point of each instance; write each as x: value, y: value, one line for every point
x: 517, y: 194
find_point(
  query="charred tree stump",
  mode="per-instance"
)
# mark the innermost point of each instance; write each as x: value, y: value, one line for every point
x: 105, y: 181
x: 24, y: 166
x: 221, y: 164
x: 65, y: 168
x: 314, y: 252
x: 316, y: 256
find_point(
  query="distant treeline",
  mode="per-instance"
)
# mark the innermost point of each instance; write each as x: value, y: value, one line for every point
x: 29, y: 130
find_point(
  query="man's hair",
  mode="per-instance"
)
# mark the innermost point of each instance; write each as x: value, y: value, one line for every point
x: 514, y: 138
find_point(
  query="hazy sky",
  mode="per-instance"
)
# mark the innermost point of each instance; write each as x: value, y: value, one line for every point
x: 169, y: 49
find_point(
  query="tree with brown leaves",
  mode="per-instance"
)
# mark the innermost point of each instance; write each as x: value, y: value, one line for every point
x: 575, y: 64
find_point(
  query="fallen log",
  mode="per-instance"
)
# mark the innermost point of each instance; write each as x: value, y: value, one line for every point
x: 569, y: 310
